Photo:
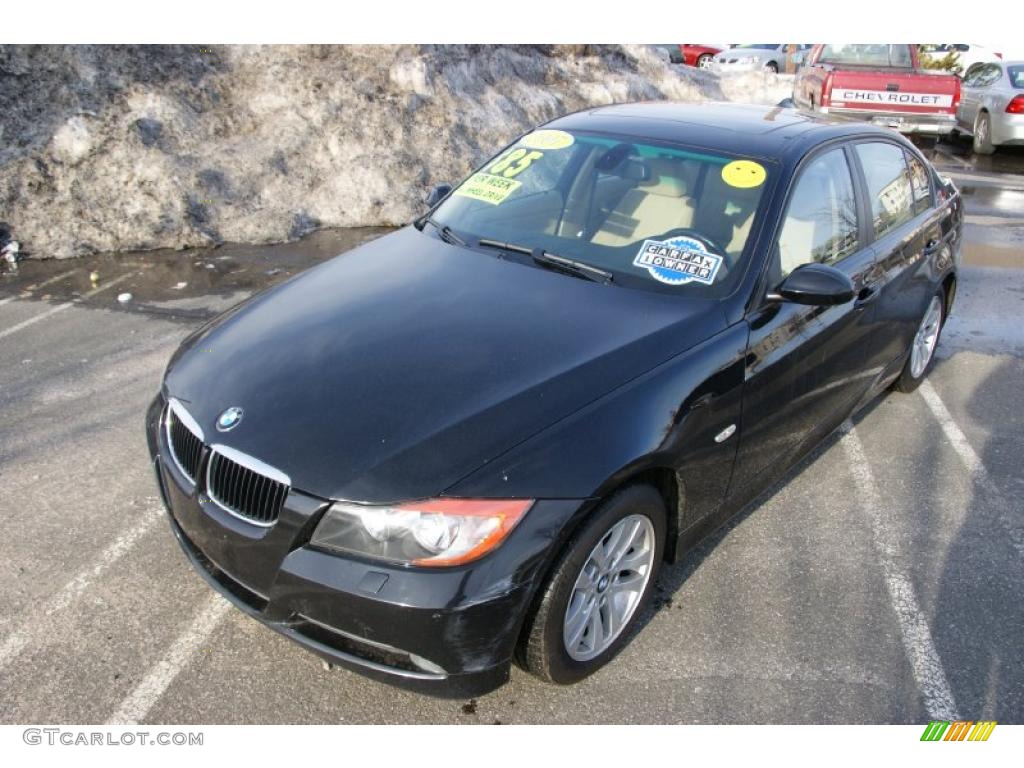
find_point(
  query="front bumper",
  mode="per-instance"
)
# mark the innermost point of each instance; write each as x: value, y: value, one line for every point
x: 735, y: 66
x: 445, y: 632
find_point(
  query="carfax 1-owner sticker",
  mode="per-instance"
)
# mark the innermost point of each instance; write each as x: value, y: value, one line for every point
x: 678, y: 261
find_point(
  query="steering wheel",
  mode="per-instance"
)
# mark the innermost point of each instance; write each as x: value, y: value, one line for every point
x: 707, y: 242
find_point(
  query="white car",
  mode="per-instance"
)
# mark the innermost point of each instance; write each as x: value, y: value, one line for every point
x: 751, y: 57
x: 992, y: 105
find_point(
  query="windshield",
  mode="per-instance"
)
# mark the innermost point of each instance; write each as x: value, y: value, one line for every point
x: 656, y: 216
x: 759, y: 45
x: 1016, y: 75
x: 866, y: 55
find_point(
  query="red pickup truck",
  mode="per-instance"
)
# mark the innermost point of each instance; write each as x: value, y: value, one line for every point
x: 883, y: 84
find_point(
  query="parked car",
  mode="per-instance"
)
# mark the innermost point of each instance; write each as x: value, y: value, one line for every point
x: 770, y: 57
x: 967, y: 55
x: 478, y: 438
x: 991, y: 108
x: 883, y: 84
x: 698, y: 54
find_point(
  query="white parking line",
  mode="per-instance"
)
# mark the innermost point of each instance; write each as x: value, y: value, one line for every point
x: 50, y: 281
x: 61, y: 307
x: 917, y: 637
x: 138, y: 703
x: 974, y: 464
x: 33, y: 628
x: 949, y: 155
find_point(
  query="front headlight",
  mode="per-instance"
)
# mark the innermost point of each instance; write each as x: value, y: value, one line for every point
x: 433, y: 533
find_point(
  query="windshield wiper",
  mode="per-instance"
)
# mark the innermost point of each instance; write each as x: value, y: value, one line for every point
x: 551, y: 261
x: 571, y: 267
x: 443, y: 229
x: 486, y: 242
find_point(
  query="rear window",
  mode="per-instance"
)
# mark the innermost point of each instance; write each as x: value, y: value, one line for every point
x: 845, y: 54
x: 1016, y: 75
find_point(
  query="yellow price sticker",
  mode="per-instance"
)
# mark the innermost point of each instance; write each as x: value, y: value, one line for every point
x: 487, y: 188
x: 514, y: 162
x: 744, y: 174
x: 547, y: 139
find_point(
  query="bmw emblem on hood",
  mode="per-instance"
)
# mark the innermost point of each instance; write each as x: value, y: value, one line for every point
x: 229, y: 419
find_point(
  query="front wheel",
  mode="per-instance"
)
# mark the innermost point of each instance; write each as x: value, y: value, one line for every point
x: 599, y: 587
x: 772, y: 67
x: 922, y: 348
x: 704, y: 61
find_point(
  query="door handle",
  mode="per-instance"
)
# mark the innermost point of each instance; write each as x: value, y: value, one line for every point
x: 932, y: 246
x: 866, y: 295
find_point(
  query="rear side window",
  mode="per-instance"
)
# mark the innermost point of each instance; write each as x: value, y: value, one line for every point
x: 920, y: 184
x: 821, y: 218
x: 988, y: 74
x: 888, y: 185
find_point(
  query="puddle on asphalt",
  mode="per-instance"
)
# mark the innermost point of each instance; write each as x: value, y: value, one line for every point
x: 996, y: 200
x: 189, y: 284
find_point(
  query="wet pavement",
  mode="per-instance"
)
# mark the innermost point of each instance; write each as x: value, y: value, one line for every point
x: 879, y: 582
x: 188, y: 286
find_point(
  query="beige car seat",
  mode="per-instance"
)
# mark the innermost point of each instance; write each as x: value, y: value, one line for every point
x: 651, y: 208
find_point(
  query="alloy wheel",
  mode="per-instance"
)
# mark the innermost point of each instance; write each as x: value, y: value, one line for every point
x: 926, y: 338
x: 609, y: 587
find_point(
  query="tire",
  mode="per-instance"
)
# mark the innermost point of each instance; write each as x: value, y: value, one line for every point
x: 544, y: 649
x: 772, y: 67
x: 913, y: 372
x: 704, y: 61
x: 983, y: 135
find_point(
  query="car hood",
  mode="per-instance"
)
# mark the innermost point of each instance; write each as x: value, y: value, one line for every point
x: 396, y: 369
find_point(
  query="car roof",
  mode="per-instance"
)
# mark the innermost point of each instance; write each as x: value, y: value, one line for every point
x: 766, y: 132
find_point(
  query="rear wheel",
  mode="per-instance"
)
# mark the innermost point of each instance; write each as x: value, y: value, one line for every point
x: 772, y: 67
x: 922, y: 348
x: 599, y: 587
x: 704, y: 61
x: 983, y: 135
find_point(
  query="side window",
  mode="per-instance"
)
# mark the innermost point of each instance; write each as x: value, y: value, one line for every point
x: 972, y: 74
x: 888, y: 185
x: 988, y: 75
x: 821, y: 218
x: 920, y: 185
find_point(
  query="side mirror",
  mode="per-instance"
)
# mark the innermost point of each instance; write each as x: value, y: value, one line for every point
x: 815, y: 284
x: 437, y: 194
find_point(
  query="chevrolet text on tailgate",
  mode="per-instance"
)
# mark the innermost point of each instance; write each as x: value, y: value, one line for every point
x: 879, y: 83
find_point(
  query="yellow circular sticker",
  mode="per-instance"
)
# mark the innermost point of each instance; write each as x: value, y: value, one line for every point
x: 547, y: 139
x: 744, y: 174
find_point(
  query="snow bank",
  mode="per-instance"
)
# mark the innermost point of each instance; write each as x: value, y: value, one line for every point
x: 122, y: 148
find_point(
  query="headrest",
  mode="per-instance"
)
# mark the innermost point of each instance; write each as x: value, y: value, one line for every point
x: 666, y: 179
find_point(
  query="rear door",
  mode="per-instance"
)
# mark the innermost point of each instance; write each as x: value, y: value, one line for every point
x: 805, y: 365
x: 907, y: 229
x: 976, y: 85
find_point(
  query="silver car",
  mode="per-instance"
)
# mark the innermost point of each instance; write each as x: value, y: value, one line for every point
x: 992, y: 105
x: 754, y: 56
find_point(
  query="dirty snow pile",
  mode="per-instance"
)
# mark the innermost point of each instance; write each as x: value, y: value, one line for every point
x: 123, y: 148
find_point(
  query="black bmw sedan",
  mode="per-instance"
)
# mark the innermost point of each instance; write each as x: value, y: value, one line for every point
x: 475, y: 440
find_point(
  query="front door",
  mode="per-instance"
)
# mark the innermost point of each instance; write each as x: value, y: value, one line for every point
x: 805, y: 367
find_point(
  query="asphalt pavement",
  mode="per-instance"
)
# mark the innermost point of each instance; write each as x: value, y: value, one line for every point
x: 880, y: 582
